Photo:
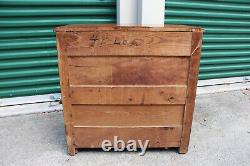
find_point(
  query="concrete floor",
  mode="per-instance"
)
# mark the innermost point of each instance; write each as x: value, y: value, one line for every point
x: 220, y: 136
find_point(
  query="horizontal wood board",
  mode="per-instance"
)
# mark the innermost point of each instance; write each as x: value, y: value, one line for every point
x: 113, y: 43
x: 96, y: 115
x: 114, y: 27
x: 92, y: 137
x: 128, y: 70
x: 128, y: 95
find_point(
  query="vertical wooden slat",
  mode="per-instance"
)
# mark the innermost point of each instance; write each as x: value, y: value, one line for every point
x: 191, y: 90
x: 64, y: 82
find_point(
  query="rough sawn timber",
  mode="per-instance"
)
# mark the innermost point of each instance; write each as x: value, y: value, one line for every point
x: 130, y: 82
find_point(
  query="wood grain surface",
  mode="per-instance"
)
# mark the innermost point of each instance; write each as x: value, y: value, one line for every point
x: 130, y: 115
x: 128, y: 70
x: 191, y: 91
x: 114, y: 27
x: 113, y: 43
x: 92, y: 137
x: 135, y: 95
x: 67, y: 111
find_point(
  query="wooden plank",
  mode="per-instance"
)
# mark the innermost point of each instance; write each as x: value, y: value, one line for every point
x: 191, y: 91
x: 96, y: 115
x: 92, y: 137
x: 110, y: 27
x: 128, y: 70
x: 143, y: 95
x: 113, y: 43
x: 64, y: 83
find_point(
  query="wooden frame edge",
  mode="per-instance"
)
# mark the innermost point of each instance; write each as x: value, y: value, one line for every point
x: 64, y: 83
x: 191, y: 90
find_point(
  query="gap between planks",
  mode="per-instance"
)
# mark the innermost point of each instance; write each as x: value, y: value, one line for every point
x: 176, y: 126
x: 111, y: 86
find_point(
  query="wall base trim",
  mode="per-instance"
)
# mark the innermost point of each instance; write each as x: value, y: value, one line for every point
x: 30, y: 109
x: 221, y: 81
x: 222, y: 88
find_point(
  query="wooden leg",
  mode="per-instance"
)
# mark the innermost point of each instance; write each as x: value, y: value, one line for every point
x: 71, y: 150
x: 185, y: 142
x: 183, y: 150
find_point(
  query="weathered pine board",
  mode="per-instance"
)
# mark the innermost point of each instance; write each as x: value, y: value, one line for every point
x: 112, y: 27
x: 128, y: 70
x: 130, y: 115
x: 157, y: 136
x: 191, y: 91
x: 114, y: 43
x: 135, y: 95
x: 67, y: 111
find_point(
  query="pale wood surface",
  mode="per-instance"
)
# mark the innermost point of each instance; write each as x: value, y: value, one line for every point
x: 96, y: 115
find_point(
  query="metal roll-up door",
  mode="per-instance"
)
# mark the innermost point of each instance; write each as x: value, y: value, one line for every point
x: 28, y: 57
x: 226, y: 41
